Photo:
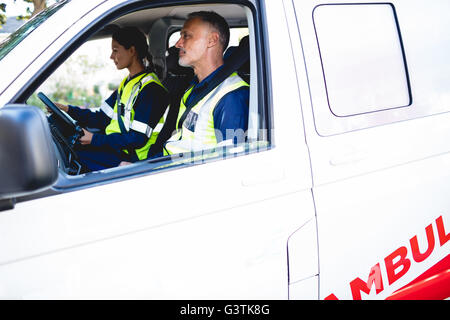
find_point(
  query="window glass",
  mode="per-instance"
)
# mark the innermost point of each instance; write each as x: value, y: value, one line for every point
x: 85, y: 79
x: 236, y: 34
x: 16, y: 37
x: 362, y: 58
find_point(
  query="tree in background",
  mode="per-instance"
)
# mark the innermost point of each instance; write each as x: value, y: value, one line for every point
x: 2, y: 14
x: 84, y: 79
x: 38, y: 5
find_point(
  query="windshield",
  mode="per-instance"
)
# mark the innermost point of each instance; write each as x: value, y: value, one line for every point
x: 17, y: 36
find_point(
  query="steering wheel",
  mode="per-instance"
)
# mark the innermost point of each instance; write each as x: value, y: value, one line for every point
x: 66, y: 133
x: 78, y: 132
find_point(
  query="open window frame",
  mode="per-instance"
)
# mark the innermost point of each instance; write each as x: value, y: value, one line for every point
x: 258, y: 135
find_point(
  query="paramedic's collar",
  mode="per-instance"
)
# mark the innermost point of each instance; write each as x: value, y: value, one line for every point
x: 202, y: 85
x: 136, y: 75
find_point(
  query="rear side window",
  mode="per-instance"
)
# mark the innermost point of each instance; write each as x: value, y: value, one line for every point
x: 236, y: 34
x: 363, y: 61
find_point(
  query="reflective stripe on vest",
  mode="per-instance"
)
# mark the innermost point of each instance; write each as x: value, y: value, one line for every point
x: 198, y: 132
x: 128, y: 93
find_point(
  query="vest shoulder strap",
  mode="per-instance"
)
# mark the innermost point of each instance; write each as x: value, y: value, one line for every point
x: 236, y: 60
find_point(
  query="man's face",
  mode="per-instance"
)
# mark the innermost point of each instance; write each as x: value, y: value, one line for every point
x: 193, y: 42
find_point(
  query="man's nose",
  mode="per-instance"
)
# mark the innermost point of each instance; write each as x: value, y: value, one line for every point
x: 179, y: 44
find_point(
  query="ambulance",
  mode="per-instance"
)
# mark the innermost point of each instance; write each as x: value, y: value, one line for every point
x: 341, y: 189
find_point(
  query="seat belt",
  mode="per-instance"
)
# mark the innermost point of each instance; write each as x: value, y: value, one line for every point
x: 131, y: 152
x: 236, y: 60
x: 120, y: 111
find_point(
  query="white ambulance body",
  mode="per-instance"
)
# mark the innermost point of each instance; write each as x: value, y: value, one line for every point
x: 342, y: 190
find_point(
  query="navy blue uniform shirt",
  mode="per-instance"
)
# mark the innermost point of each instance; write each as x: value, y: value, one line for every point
x: 231, y: 111
x: 105, y: 151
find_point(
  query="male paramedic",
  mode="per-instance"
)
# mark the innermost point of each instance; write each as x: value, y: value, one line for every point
x: 221, y: 117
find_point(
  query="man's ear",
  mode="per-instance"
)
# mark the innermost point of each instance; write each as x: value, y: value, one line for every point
x: 213, y: 39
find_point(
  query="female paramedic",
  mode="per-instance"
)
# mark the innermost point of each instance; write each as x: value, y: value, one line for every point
x: 141, y: 101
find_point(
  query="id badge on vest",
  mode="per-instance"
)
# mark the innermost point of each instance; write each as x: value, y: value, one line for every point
x: 190, y: 121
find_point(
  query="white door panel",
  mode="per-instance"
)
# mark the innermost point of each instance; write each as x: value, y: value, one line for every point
x: 361, y: 221
x: 377, y: 187
x: 92, y: 243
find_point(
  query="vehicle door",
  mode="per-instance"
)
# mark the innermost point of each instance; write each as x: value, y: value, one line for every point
x: 206, y: 228
x: 374, y: 90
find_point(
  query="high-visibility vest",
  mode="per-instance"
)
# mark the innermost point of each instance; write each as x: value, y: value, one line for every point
x: 127, y: 95
x: 197, y: 131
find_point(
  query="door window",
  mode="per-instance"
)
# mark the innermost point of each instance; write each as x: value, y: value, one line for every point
x: 362, y: 58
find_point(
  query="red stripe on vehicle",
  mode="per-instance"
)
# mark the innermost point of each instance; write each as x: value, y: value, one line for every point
x: 434, y: 284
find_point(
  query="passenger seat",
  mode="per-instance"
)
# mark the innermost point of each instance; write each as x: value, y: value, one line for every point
x: 244, y: 70
x: 176, y: 81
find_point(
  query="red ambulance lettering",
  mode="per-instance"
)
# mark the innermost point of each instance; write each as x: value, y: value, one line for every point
x: 359, y: 285
x: 331, y: 297
x: 417, y: 256
x: 391, y: 267
x: 397, y: 264
x: 443, y: 238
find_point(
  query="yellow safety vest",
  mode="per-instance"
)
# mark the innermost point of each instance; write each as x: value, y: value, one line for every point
x: 202, y: 135
x: 127, y: 94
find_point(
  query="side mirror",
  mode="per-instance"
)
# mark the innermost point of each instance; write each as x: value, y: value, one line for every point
x: 27, y: 156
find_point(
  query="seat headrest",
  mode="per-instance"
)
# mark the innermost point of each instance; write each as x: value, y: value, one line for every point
x: 172, y: 64
x: 239, y: 55
x: 244, y: 41
x: 244, y: 44
x: 228, y: 52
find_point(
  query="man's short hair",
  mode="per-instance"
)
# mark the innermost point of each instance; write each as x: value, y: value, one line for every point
x: 217, y: 22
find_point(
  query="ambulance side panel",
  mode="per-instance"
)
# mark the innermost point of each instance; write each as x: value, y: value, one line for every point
x: 373, y: 80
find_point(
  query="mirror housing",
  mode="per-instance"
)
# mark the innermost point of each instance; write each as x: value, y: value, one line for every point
x: 27, y: 156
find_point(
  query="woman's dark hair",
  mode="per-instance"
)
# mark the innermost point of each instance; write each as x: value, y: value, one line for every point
x: 132, y: 36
